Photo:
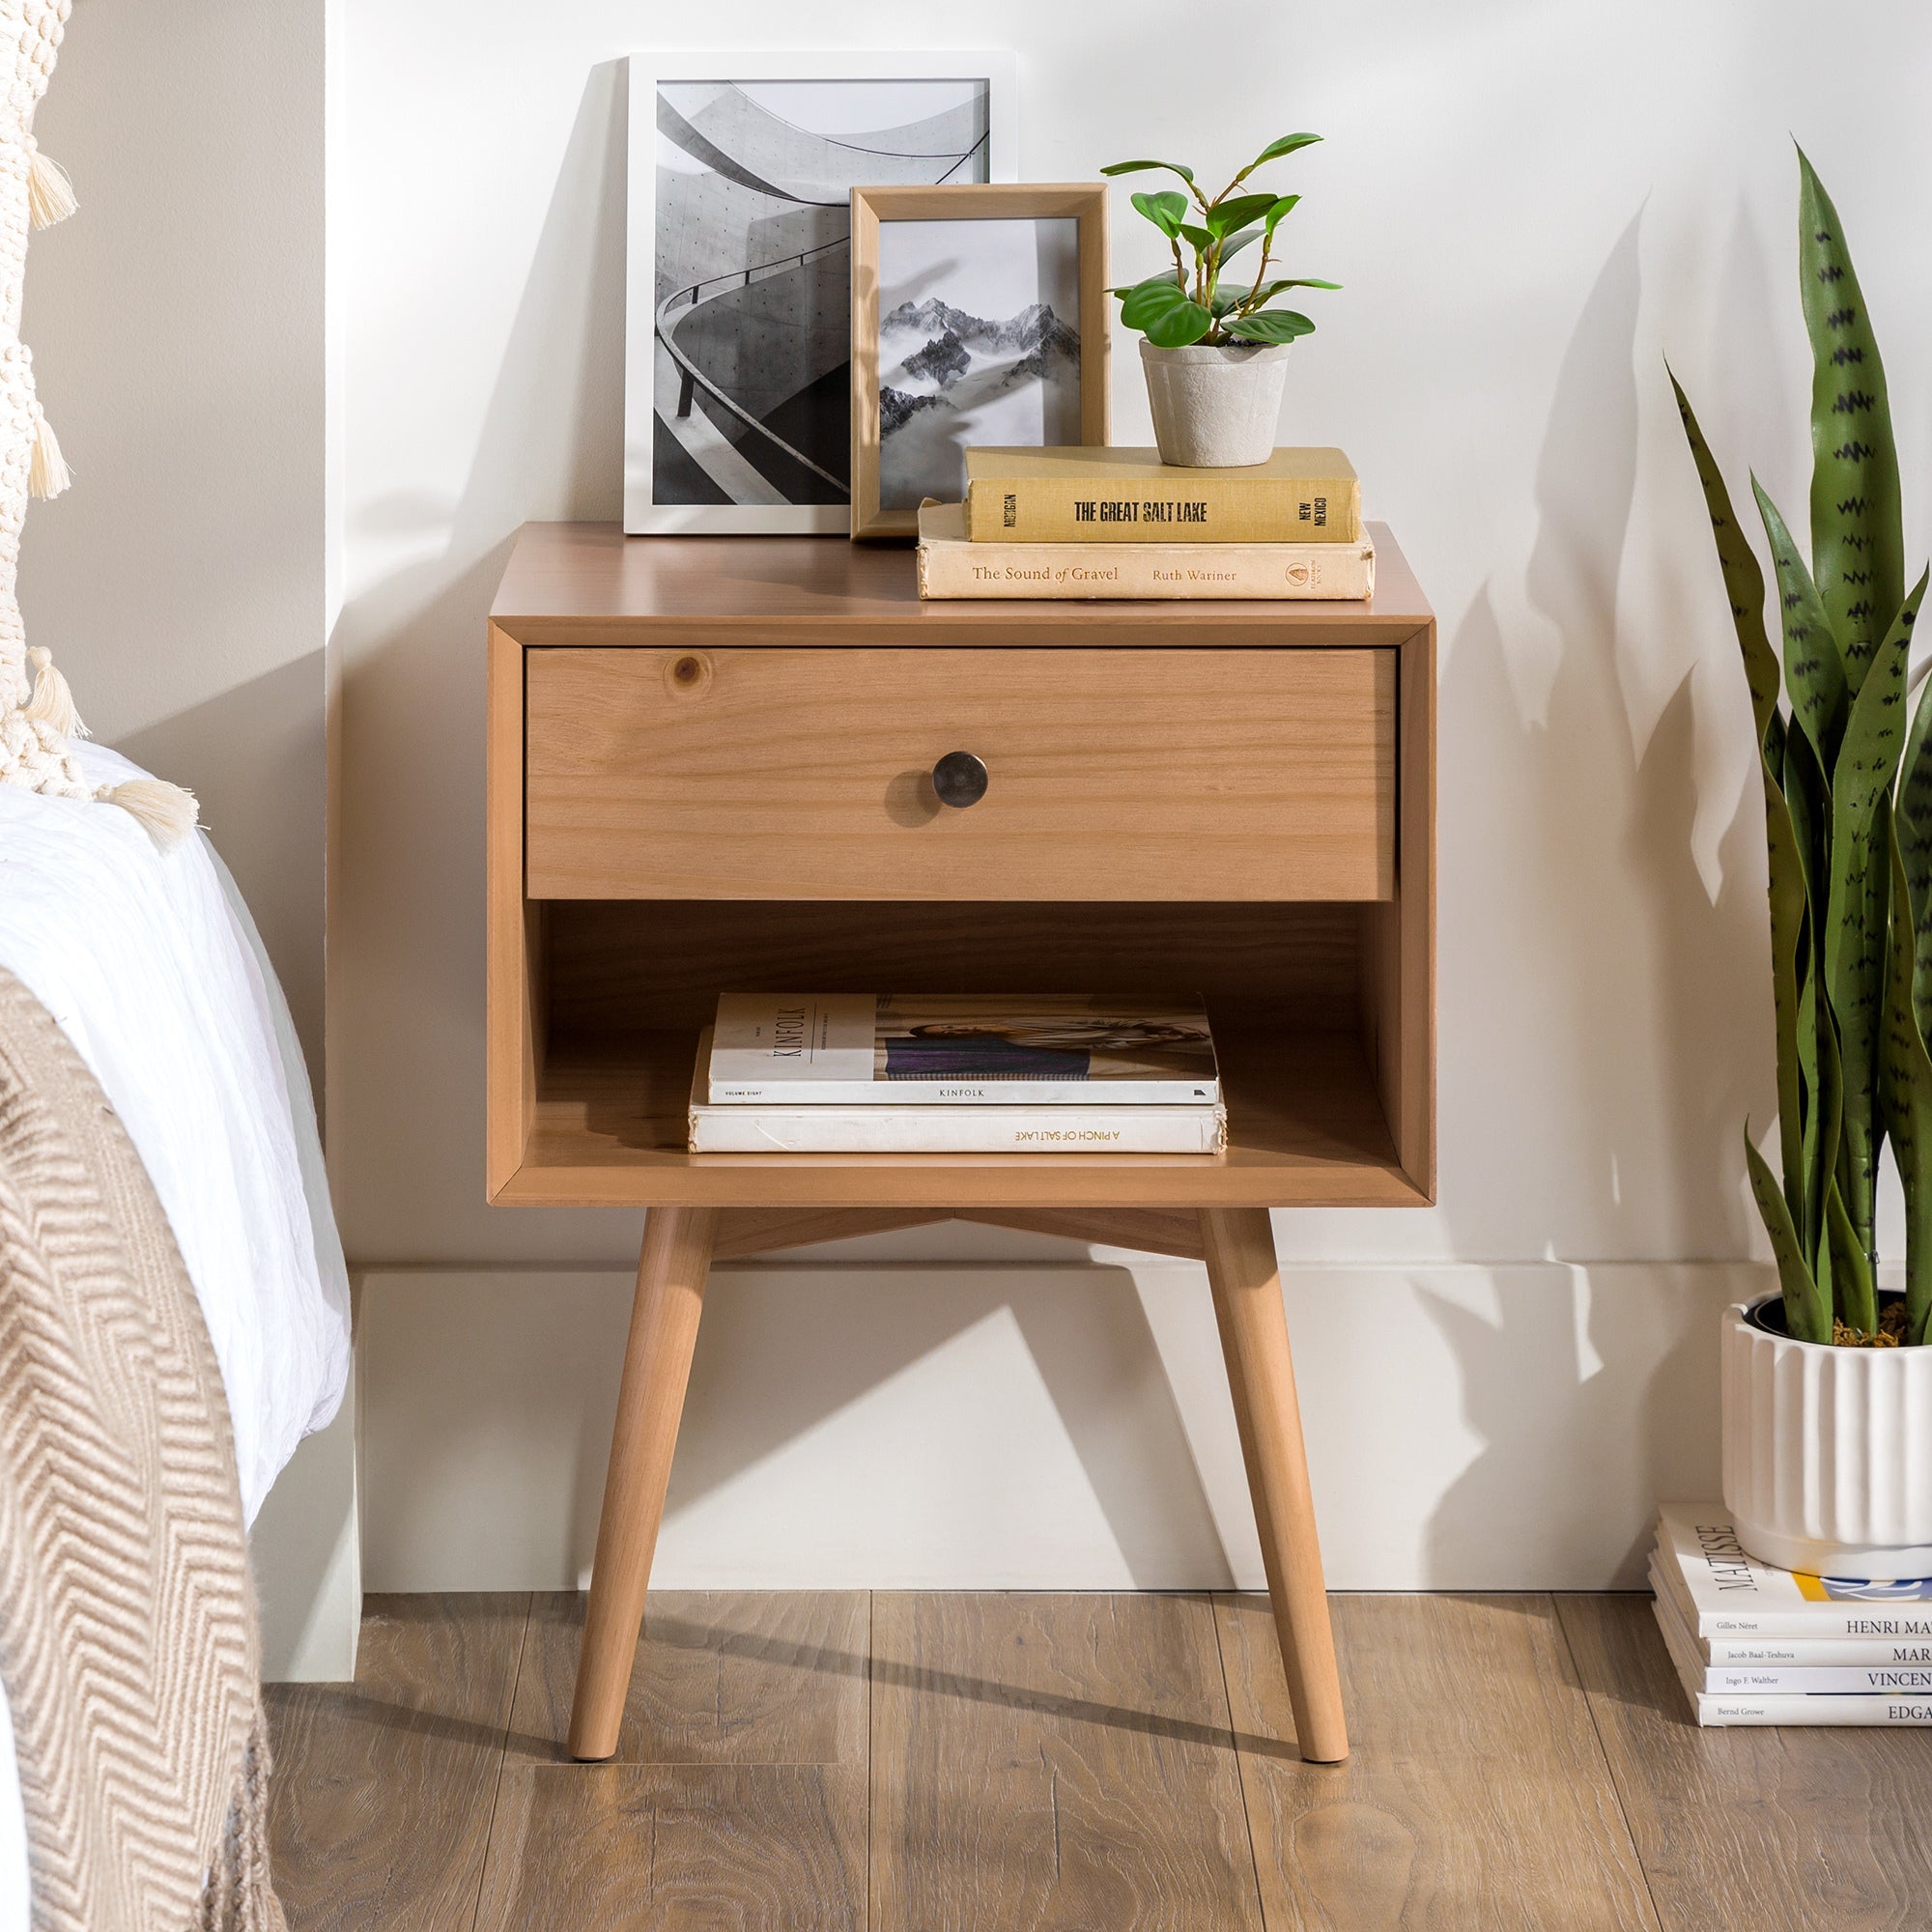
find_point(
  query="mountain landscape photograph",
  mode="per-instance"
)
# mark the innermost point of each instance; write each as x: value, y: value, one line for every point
x: 978, y: 343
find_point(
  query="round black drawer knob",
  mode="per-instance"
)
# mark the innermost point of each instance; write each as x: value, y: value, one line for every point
x: 959, y: 778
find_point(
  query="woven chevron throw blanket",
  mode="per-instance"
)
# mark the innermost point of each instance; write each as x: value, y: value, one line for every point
x: 128, y: 1643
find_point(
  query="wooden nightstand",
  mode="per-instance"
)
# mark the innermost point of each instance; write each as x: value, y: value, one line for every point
x: 709, y: 767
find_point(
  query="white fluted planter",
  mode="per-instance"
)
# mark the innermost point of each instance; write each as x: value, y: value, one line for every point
x: 1828, y: 1453
x: 1215, y: 405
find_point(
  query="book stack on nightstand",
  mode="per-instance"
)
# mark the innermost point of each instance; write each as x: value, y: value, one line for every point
x: 1756, y: 1645
x: 955, y: 1074
x: 1075, y: 521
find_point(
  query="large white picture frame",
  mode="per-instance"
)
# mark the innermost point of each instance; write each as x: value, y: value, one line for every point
x: 738, y: 264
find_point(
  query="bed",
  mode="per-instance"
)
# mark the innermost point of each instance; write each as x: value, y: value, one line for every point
x: 154, y: 970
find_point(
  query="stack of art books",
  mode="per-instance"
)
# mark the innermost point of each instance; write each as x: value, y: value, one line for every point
x: 1754, y: 1645
x: 1073, y: 522
x: 955, y: 1074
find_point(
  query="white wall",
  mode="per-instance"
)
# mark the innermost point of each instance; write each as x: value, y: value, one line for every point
x: 1529, y: 204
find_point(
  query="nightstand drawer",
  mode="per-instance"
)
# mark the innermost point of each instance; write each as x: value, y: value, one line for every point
x: 1109, y: 774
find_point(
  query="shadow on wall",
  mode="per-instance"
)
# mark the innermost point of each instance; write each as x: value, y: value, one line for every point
x: 255, y: 760
x: 1586, y: 807
x: 411, y: 654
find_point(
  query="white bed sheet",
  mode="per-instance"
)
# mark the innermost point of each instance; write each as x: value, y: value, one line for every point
x: 154, y: 969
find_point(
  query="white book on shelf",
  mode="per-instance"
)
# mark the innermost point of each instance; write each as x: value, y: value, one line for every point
x: 1012, y: 1129
x: 958, y: 1050
x: 1721, y: 1592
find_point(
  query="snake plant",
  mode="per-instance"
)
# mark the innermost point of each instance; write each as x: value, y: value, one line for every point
x: 1848, y: 824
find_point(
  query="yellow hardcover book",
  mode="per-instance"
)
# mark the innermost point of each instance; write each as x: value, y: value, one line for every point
x: 1080, y: 494
x: 951, y: 566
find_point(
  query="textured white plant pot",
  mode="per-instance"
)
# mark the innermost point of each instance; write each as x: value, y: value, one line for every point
x: 1828, y: 1453
x: 1215, y: 407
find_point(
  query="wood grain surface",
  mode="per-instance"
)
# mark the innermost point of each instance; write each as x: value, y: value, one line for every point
x: 383, y: 1789
x: 806, y: 775
x: 739, y: 1677
x: 586, y: 583
x: 1476, y: 1794
x: 1305, y: 1128
x: 1087, y: 1761
x: 678, y: 1848
x: 1048, y: 1762
x: 1747, y: 1830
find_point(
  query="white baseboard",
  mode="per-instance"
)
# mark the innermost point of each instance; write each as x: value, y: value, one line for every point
x: 307, y: 1550
x: 1044, y: 1425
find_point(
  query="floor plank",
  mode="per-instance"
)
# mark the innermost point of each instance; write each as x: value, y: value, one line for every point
x: 1044, y: 1762
x: 382, y: 1799
x: 740, y: 1677
x: 1476, y: 1794
x: 1760, y: 1828
x: 678, y: 1848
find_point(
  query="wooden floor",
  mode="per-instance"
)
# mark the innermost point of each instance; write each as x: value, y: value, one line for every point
x: 999, y: 1763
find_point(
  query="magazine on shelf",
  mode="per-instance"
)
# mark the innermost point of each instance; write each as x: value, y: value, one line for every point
x: 1721, y: 1592
x: 790, y: 1129
x: 958, y: 1050
x: 1793, y: 1708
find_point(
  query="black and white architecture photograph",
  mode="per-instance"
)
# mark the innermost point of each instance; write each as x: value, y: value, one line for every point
x: 979, y: 342
x: 739, y: 365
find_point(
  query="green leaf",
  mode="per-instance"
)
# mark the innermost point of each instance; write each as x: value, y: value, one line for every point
x: 1905, y: 1091
x: 1268, y: 289
x: 1224, y: 217
x: 1857, y: 902
x: 1858, y: 547
x: 1270, y: 325
x: 1286, y: 145
x: 1141, y: 167
x: 1235, y: 243
x: 1197, y: 237
x: 1168, y: 280
x: 1807, y: 1314
x: 1854, y: 1295
x: 1178, y: 326
x: 1743, y: 580
x: 1814, y: 672
x: 1273, y: 218
x: 1165, y: 211
x: 1795, y: 1003
x: 1915, y: 837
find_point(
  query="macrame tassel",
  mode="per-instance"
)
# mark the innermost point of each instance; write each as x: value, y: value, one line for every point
x: 50, y: 196
x: 167, y: 812
x: 47, y: 474
x: 52, y: 702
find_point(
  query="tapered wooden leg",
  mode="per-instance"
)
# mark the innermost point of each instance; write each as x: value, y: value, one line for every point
x: 1246, y: 1282
x: 650, y: 1400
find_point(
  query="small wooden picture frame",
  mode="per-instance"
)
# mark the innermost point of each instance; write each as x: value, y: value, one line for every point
x: 961, y: 334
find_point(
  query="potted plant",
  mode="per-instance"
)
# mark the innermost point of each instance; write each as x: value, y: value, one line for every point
x: 1827, y: 1384
x: 1213, y: 347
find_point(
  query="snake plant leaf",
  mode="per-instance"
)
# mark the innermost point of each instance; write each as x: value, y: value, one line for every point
x: 1166, y: 211
x: 1787, y: 902
x: 1806, y: 1313
x: 1858, y: 549
x: 1743, y: 579
x: 1906, y: 1094
x: 1814, y: 671
x: 1914, y: 811
x: 1857, y: 900
x: 1854, y: 1294
x: 1270, y: 325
